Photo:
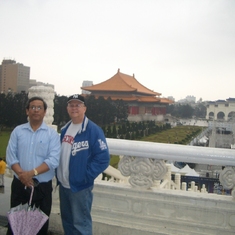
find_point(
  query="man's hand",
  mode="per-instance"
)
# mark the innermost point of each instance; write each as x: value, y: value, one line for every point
x: 26, y: 178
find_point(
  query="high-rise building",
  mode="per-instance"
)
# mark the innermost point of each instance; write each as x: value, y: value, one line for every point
x: 84, y: 84
x: 14, y: 77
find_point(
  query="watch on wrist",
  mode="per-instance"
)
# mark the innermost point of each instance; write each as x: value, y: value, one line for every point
x: 35, y: 171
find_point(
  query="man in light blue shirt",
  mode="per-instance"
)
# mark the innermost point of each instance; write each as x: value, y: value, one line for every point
x: 33, y: 153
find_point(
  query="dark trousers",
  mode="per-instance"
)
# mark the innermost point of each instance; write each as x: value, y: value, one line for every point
x: 42, y: 198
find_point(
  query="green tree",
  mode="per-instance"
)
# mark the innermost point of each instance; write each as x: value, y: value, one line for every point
x: 3, y: 109
x: 186, y: 111
x: 60, y: 111
x: 12, y: 109
x: 19, y: 103
x: 200, y: 110
x: 10, y: 112
x: 92, y: 108
x: 105, y: 111
x: 109, y: 132
x: 121, y: 108
x: 114, y: 132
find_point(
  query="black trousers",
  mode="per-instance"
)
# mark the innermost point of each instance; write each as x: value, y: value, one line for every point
x: 42, y: 198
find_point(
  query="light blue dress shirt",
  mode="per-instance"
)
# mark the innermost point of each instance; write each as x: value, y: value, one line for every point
x: 31, y: 148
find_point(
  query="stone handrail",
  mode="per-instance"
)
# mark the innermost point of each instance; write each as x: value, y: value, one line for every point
x: 144, y: 162
x: 172, y: 152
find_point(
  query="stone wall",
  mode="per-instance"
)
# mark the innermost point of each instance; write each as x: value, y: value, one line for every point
x: 119, y: 209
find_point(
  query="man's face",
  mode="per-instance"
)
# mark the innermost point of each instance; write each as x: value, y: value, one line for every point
x: 76, y: 110
x: 36, y: 111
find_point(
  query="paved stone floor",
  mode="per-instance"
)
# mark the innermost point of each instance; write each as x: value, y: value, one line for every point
x: 3, y: 231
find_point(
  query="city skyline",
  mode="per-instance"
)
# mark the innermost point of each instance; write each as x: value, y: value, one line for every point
x: 33, y: 82
x: 176, y: 48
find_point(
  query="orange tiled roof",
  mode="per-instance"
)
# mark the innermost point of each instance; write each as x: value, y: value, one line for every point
x: 124, y: 98
x: 149, y: 99
x: 166, y: 101
x: 122, y: 83
x: 132, y: 97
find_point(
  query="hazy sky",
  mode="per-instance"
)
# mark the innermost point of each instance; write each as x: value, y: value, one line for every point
x: 174, y: 47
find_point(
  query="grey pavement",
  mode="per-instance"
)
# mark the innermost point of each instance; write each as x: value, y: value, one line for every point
x: 5, y: 201
x: 5, y: 196
x: 55, y: 226
x: 3, y: 230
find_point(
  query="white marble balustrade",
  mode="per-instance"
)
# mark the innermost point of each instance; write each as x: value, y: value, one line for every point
x: 138, y: 204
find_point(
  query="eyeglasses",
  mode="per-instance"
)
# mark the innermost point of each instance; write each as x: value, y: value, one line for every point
x: 75, y: 105
x: 38, y: 108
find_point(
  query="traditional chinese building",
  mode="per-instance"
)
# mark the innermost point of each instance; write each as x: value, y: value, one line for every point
x: 144, y: 104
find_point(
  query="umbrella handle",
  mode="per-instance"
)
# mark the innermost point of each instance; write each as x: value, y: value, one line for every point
x: 31, y: 196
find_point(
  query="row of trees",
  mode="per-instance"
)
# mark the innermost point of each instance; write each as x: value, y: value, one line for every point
x: 134, y: 130
x: 187, y: 110
x: 12, y: 109
x: 101, y: 111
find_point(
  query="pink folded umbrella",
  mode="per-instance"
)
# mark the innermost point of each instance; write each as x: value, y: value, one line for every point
x: 25, y: 219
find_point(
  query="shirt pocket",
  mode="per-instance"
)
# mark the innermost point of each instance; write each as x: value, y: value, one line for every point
x: 41, y: 150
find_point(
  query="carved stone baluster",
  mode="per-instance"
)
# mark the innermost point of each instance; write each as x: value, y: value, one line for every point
x: 227, y: 179
x: 142, y: 171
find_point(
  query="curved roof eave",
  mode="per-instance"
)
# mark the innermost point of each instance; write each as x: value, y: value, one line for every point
x: 91, y: 88
x: 166, y: 101
x: 131, y: 80
x: 115, y: 83
x: 121, y: 82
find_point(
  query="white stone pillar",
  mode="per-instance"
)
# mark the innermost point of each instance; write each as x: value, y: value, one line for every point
x: 192, y: 186
x: 47, y: 94
x: 177, y: 181
x: 184, y: 186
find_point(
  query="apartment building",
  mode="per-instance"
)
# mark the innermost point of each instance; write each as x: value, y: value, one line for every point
x: 14, y: 77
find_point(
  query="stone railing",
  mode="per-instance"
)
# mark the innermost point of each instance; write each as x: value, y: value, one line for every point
x: 136, y: 202
x: 144, y: 162
x: 140, y: 203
